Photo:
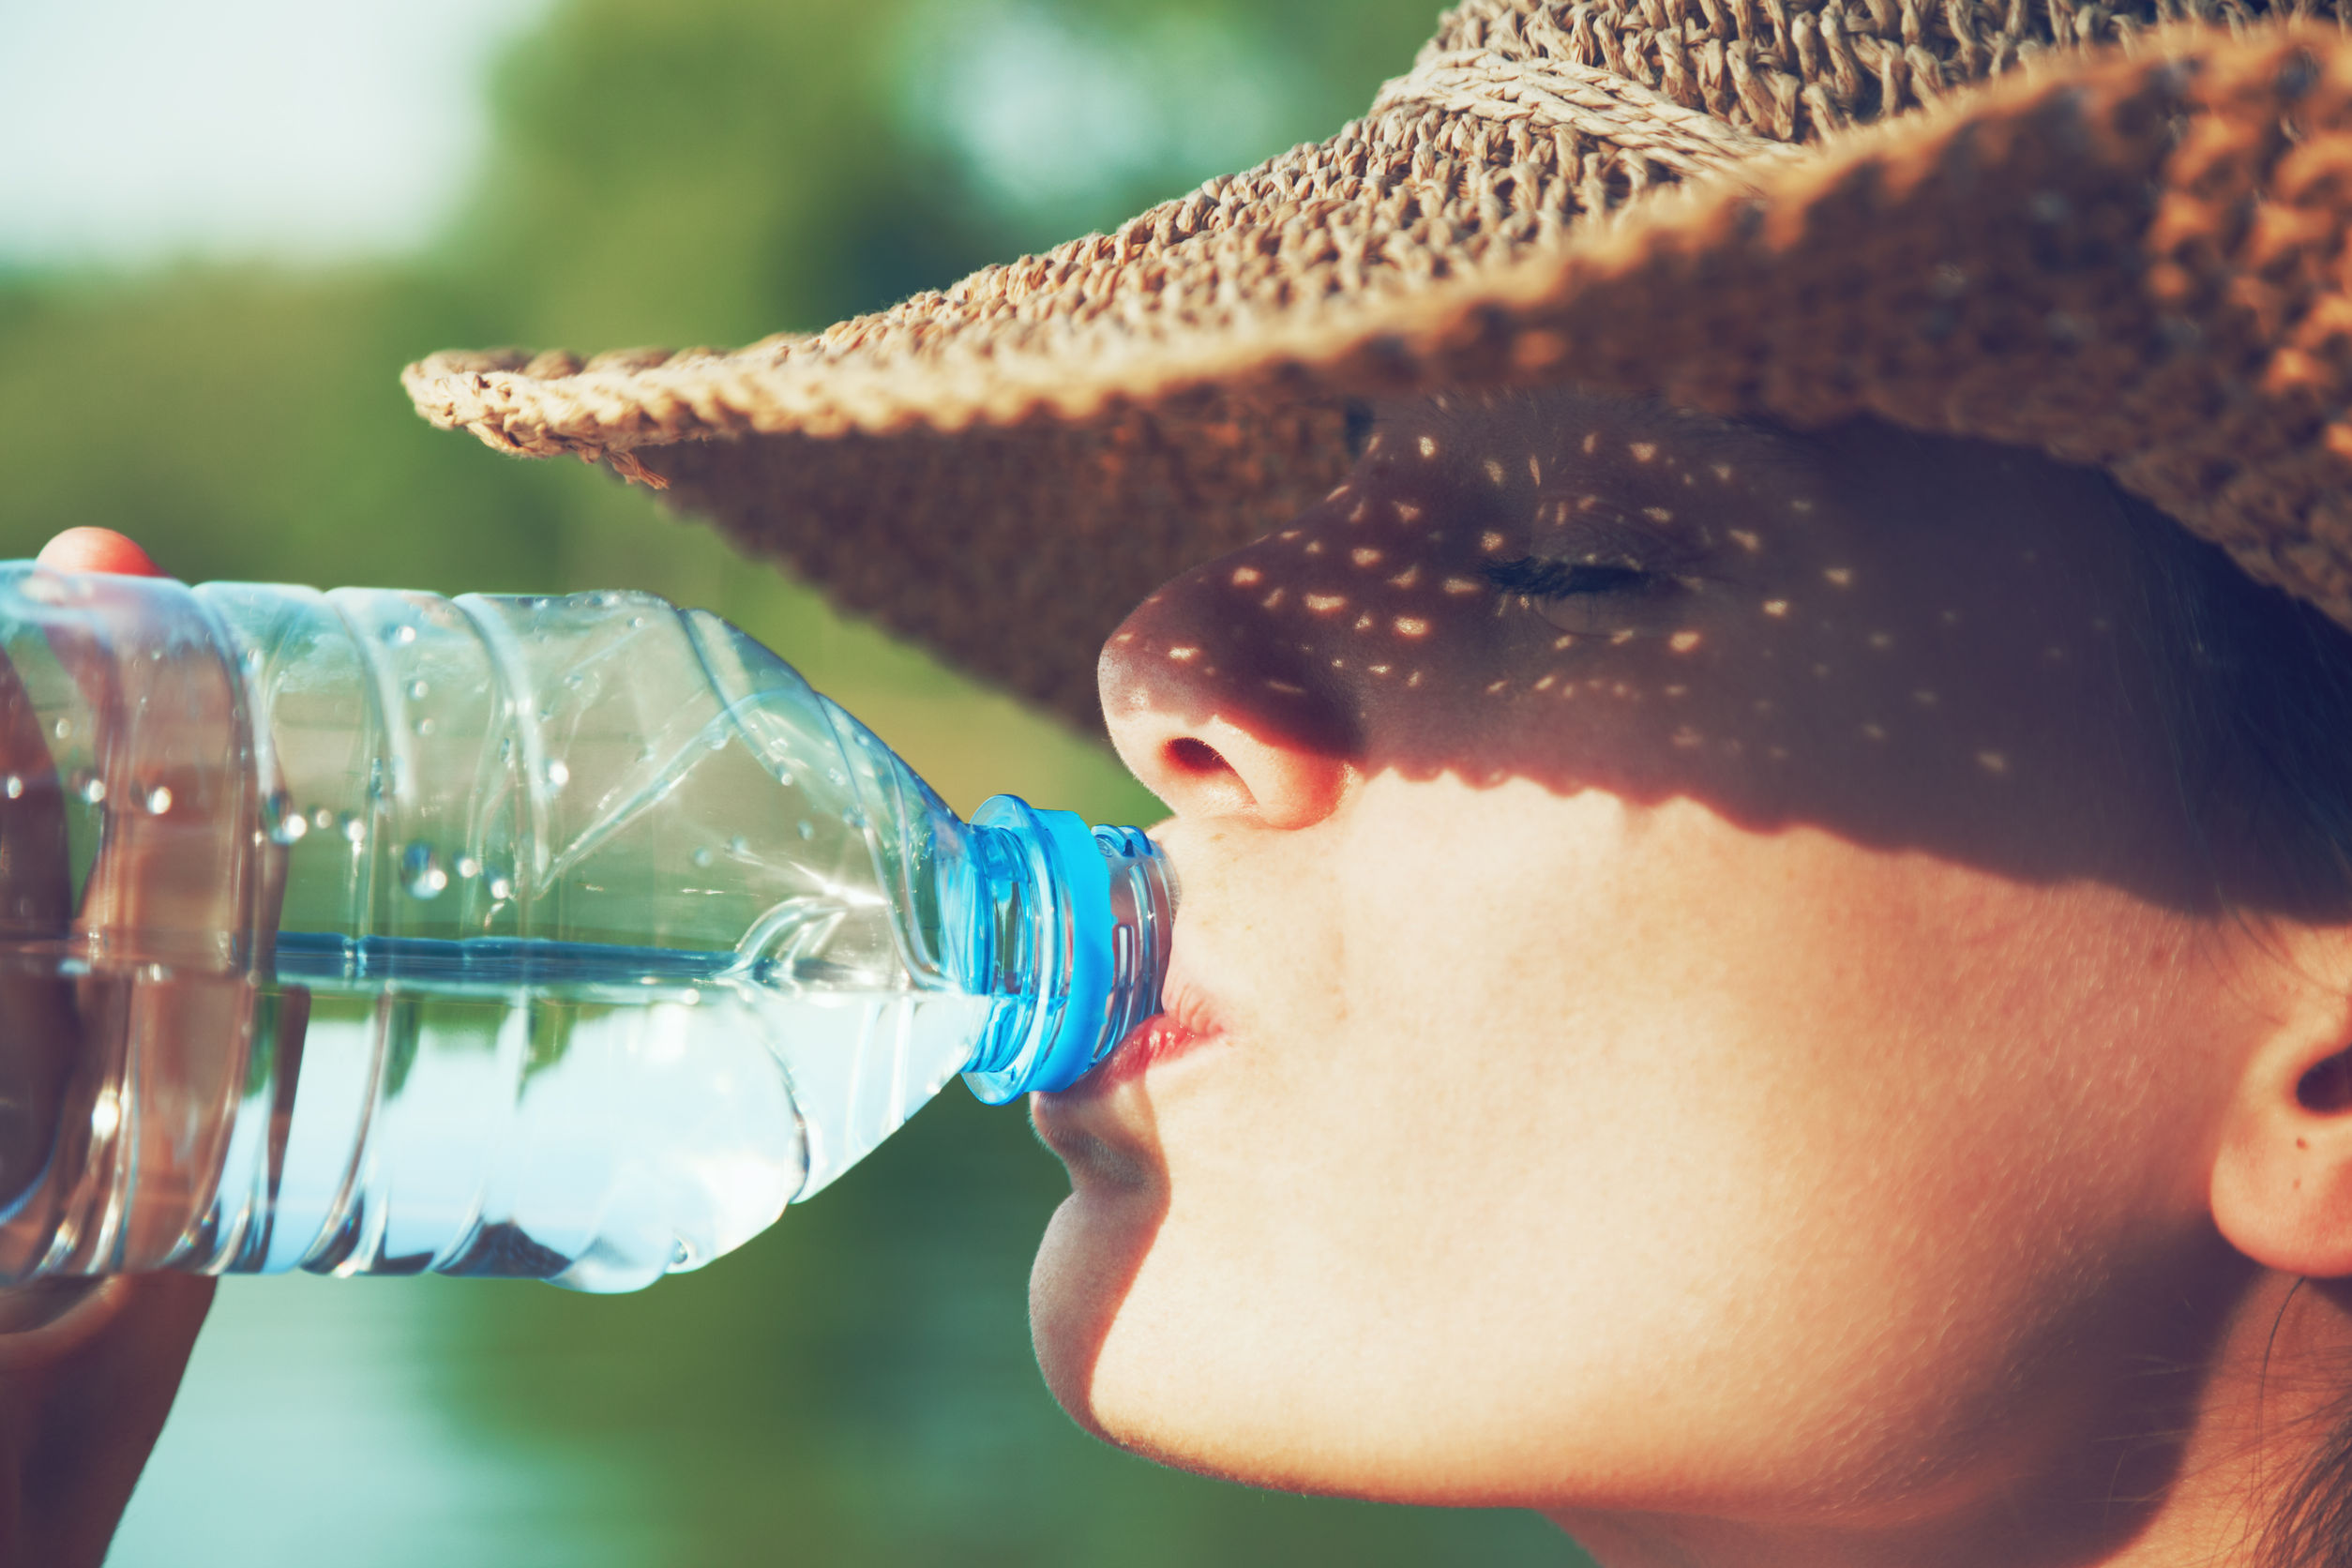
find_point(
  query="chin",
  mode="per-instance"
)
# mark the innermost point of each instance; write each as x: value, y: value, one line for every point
x: 1085, y: 1266
x: 1145, y: 1375
x: 1126, y: 1385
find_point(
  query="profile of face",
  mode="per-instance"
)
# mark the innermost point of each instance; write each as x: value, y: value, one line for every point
x: 1694, y: 993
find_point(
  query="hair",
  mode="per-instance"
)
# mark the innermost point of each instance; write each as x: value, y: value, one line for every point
x: 2254, y: 695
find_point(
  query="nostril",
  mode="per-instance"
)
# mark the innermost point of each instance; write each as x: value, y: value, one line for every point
x: 2328, y: 1087
x: 1187, y: 754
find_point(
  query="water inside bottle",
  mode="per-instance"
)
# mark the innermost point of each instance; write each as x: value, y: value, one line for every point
x: 532, y: 1110
x: 558, y: 1108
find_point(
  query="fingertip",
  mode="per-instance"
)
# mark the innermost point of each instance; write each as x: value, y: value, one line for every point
x: 96, y: 549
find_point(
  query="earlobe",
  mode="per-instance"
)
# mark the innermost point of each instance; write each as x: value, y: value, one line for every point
x: 2283, y: 1175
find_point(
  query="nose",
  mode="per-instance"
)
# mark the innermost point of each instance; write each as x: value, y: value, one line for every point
x: 1220, y: 715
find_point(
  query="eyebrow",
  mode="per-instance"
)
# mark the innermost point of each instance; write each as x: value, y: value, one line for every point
x: 1755, y: 442
x: 1697, y: 435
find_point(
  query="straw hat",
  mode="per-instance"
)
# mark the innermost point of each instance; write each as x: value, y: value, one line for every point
x: 2116, y: 232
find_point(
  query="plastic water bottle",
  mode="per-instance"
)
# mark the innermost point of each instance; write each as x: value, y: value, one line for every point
x: 373, y: 932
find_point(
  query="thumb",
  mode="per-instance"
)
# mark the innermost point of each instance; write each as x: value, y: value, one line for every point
x: 96, y: 549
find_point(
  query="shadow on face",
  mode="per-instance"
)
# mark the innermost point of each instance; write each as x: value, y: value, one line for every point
x: 1911, y: 643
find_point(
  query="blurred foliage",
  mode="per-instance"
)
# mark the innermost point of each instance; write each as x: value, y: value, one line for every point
x: 855, y: 1386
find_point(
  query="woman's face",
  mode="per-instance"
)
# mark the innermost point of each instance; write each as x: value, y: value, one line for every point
x: 1689, y: 994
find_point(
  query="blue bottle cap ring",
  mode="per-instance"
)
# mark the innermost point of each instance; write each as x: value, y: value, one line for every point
x: 1075, y: 921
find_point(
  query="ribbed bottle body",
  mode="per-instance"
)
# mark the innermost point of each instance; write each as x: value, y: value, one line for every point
x: 563, y: 937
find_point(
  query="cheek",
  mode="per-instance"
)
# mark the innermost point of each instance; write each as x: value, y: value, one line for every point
x: 1557, y: 1132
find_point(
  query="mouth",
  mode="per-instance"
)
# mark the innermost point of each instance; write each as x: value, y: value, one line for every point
x: 1098, y: 1126
x: 1184, y: 1024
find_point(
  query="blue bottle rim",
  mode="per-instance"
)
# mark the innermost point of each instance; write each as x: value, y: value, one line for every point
x: 1072, y: 882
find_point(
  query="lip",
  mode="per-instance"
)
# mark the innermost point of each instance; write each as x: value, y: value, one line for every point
x: 1184, y: 1023
x: 1098, y: 1127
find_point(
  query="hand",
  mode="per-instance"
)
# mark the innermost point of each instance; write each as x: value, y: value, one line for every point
x: 88, y: 1367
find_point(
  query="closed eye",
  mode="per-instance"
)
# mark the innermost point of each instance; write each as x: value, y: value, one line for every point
x: 1539, y: 579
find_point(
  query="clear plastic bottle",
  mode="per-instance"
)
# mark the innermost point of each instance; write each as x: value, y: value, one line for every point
x: 567, y: 938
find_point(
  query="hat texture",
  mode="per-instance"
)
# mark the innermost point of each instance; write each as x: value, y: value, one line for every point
x: 2113, y: 233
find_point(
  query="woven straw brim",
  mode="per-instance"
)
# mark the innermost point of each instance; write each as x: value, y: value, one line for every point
x: 2132, y: 257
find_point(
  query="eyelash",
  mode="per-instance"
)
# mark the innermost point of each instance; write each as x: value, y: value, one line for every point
x: 1539, y: 579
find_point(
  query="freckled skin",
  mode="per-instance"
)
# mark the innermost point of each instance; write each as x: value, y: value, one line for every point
x: 1735, y: 1064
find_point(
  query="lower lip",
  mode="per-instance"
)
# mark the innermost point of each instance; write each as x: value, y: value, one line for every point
x: 1158, y: 1038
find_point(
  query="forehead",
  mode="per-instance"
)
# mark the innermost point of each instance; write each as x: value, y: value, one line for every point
x: 2001, y: 517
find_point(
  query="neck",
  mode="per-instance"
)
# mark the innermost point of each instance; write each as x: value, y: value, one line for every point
x: 2198, y: 1459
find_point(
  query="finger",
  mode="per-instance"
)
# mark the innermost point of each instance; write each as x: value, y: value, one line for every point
x: 168, y: 911
x: 96, y: 549
x: 138, y: 715
x: 39, y: 1032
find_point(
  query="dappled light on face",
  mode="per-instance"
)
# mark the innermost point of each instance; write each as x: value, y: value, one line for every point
x: 1844, y: 632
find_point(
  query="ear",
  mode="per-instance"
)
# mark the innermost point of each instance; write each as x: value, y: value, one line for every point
x: 2282, y: 1189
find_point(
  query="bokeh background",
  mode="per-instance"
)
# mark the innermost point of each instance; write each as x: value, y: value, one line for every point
x: 223, y: 231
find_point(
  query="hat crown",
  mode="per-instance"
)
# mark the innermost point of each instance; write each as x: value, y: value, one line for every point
x: 1786, y: 70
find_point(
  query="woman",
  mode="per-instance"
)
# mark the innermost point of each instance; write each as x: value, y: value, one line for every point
x: 1732, y: 1036
x: 1780, y: 997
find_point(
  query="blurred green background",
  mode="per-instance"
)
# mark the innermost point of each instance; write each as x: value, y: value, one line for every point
x: 855, y: 1387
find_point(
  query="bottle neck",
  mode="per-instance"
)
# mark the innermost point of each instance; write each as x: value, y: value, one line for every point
x: 1073, y: 928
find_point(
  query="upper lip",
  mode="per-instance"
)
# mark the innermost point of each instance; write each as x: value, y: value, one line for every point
x: 1187, y: 1018
x: 1184, y: 1003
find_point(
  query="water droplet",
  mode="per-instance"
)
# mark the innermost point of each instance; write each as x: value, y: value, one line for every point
x: 837, y: 777
x: 280, y: 822
x: 418, y: 692
x: 158, y: 800
x: 321, y: 819
x: 500, y: 887
x: 63, y: 727
x: 739, y: 844
x: 425, y: 725
x: 785, y: 778
x: 353, y: 828
x: 16, y: 786
x: 106, y: 1114
x: 89, y: 786
x: 806, y: 828
x: 703, y: 857
x: 421, y: 872
x: 636, y: 623
x: 401, y: 635
x: 469, y: 867
x: 253, y: 659
x: 558, y: 774
x: 853, y: 817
